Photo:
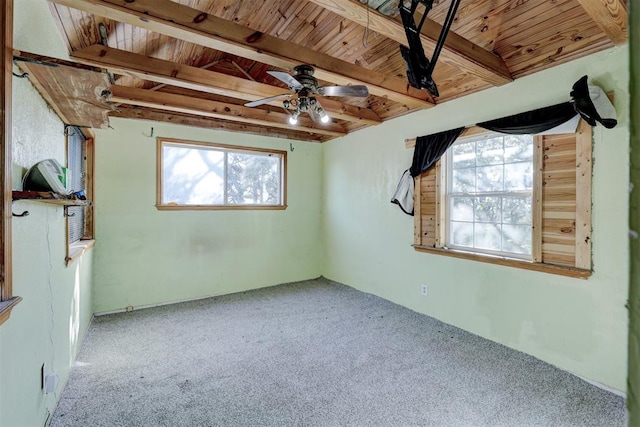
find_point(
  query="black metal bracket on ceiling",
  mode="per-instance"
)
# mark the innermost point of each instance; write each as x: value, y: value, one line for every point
x: 419, y: 68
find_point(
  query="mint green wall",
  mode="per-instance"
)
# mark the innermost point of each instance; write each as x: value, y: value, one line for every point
x: 578, y: 325
x: 145, y: 256
x: 48, y: 326
x: 633, y: 382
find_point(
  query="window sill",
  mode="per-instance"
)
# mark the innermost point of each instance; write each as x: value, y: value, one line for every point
x: 6, y: 307
x: 220, y: 208
x: 77, y: 249
x: 527, y: 265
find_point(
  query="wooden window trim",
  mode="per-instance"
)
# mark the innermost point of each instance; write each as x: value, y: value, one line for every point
x: 236, y: 148
x: 7, y: 300
x: 509, y: 262
x: 582, y: 268
x: 76, y: 249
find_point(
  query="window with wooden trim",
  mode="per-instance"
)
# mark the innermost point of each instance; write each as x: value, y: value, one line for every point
x: 80, y: 233
x: 515, y: 200
x: 198, y: 175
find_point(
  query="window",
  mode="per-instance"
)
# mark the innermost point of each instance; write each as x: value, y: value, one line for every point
x: 522, y: 201
x: 196, y: 175
x: 80, y: 169
x: 489, y: 188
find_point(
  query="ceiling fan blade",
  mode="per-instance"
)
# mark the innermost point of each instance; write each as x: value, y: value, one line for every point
x: 286, y: 78
x: 355, y: 90
x: 267, y: 100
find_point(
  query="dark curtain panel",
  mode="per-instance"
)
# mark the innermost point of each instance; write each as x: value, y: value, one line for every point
x: 430, y: 148
x: 532, y: 122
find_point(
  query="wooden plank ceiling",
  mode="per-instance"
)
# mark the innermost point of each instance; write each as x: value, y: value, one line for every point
x: 197, y: 62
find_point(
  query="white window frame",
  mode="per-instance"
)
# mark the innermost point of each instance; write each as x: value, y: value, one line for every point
x: 447, y: 168
x: 225, y: 149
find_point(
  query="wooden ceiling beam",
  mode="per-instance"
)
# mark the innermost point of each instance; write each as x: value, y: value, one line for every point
x: 218, y: 110
x: 167, y: 72
x: 611, y: 16
x: 185, y: 23
x: 457, y: 52
x: 132, y: 112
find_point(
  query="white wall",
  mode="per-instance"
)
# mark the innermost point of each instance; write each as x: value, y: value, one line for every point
x: 48, y: 326
x: 578, y: 325
x: 145, y: 256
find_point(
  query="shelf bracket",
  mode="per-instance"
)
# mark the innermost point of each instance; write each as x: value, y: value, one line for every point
x: 23, y: 214
x: 66, y: 212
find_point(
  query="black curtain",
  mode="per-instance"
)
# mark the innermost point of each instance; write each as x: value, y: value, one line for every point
x: 430, y: 148
x: 532, y: 122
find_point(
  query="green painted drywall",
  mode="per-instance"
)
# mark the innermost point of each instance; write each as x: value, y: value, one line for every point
x: 145, y: 256
x: 633, y: 381
x: 48, y: 326
x: 578, y: 325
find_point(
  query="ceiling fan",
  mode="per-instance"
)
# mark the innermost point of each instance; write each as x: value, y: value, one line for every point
x: 305, y: 86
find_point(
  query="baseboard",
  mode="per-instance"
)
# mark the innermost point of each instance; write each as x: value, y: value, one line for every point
x: 160, y: 304
x: 601, y: 386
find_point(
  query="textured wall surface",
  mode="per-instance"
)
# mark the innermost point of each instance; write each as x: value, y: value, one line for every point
x: 145, y: 256
x: 48, y: 326
x: 578, y: 325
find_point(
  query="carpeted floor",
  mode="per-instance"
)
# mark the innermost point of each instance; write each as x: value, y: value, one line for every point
x: 314, y: 353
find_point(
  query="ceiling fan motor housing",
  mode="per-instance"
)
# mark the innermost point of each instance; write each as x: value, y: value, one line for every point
x: 304, y: 75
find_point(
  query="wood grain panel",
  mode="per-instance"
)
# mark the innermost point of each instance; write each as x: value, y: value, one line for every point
x: 611, y: 16
x: 559, y: 199
x: 79, y: 97
x: 428, y: 208
x: 6, y: 56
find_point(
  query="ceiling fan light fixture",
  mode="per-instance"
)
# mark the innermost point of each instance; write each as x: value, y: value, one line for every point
x: 324, y: 118
x: 293, y: 119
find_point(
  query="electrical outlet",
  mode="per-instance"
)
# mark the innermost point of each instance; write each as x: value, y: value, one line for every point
x: 424, y: 290
x: 129, y: 308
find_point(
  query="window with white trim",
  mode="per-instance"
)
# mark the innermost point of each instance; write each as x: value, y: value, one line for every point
x: 489, y: 190
x: 198, y: 175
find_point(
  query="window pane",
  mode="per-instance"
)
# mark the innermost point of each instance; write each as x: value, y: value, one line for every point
x: 192, y: 176
x: 496, y: 185
x: 464, y: 180
x: 516, y: 239
x: 76, y: 153
x: 464, y: 155
x: 489, y: 178
x: 518, y: 148
x: 516, y: 210
x: 488, y: 236
x: 462, y: 209
x: 489, y: 151
x: 462, y: 234
x: 253, y: 179
x: 518, y: 176
x: 488, y: 209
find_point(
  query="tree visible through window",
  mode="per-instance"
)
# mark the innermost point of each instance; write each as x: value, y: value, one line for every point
x: 211, y: 175
x: 489, y: 194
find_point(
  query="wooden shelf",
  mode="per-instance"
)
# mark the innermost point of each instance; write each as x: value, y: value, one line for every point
x: 49, y: 197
